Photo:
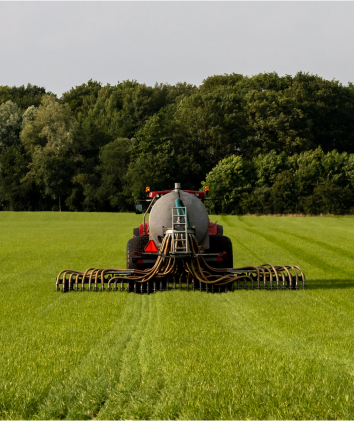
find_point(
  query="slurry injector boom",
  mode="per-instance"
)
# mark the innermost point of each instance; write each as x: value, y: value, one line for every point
x: 180, y: 248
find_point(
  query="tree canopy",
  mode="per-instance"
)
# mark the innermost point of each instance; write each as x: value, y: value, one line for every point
x: 259, y: 141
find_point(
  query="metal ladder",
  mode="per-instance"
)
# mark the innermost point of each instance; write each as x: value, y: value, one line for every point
x: 179, y: 236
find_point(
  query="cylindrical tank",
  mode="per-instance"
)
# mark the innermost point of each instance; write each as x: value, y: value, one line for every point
x: 161, y: 215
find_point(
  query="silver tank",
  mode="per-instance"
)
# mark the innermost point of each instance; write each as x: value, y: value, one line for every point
x: 161, y: 216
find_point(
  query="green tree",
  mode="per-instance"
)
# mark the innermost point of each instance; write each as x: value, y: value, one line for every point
x: 212, y: 125
x: 311, y: 182
x: 153, y: 162
x: 283, y: 193
x: 229, y: 181
x: 23, y: 96
x: 123, y: 109
x: 10, y: 125
x: 115, y: 159
x: 49, y: 140
x: 81, y: 98
x: 105, y: 188
x: 291, y: 114
x: 14, y: 195
x: 331, y: 198
x: 297, y: 114
x: 268, y: 167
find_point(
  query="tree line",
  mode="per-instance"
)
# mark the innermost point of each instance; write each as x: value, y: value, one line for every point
x: 311, y: 182
x: 264, y: 144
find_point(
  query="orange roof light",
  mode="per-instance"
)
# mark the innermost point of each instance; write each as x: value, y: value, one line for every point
x: 147, y: 189
x: 206, y: 189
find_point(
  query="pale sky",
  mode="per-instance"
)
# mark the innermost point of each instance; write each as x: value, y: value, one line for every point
x: 59, y: 45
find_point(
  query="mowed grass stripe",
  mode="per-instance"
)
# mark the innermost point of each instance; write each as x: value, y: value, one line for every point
x: 214, y: 383
x: 257, y: 245
x: 263, y: 247
x: 40, y: 354
x: 288, y: 250
x: 176, y: 354
x: 244, y: 250
x: 202, y: 377
x: 318, y: 244
x: 297, y: 251
x: 94, y: 379
x: 43, y: 334
x: 141, y: 381
x: 293, y: 331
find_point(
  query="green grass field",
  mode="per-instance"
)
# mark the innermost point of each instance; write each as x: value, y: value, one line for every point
x: 175, y: 354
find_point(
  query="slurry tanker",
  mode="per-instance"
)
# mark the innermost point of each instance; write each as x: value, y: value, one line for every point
x: 179, y: 247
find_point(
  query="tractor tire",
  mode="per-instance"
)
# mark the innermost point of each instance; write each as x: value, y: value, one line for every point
x: 220, y: 243
x: 135, y: 244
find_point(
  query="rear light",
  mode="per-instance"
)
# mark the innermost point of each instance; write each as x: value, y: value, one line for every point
x: 140, y: 262
x: 142, y: 230
x: 219, y: 259
x: 151, y: 247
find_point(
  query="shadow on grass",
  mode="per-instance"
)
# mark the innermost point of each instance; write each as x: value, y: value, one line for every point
x: 330, y: 283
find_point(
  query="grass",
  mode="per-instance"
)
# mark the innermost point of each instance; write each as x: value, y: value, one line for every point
x: 175, y: 354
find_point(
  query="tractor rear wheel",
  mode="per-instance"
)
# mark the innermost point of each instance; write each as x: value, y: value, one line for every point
x: 220, y: 243
x: 135, y: 244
